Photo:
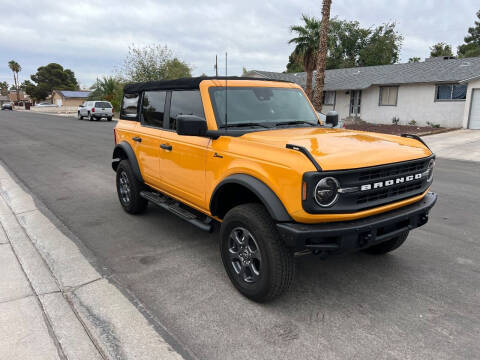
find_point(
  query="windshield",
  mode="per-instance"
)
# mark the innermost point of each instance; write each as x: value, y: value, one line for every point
x: 103, y: 104
x: 261, y: 105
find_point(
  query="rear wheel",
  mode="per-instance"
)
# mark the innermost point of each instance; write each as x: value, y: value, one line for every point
x: 388, y: 245
x: 128, y: 189
x: 109, y: 119
x: 257, y: 262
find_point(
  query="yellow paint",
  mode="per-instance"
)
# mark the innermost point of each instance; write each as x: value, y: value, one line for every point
x: 190, y: 172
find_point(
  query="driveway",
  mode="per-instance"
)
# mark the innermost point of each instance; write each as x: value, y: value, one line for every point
x: 459, y: 144
x: 420, y: 302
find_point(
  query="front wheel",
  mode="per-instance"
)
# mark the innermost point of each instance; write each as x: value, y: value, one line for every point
x: 128, y: 189
x: 80, y: 117
x: 257, y: 262
x: 90, y: 117
x: 387, y: 246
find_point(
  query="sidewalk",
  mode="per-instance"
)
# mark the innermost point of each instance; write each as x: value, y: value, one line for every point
x: 53, y: 303
x: 459, y: 144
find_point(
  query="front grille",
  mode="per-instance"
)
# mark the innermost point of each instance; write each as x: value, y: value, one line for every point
x: 387, y: 193
x: 365, y: 199
x: 392, y: 171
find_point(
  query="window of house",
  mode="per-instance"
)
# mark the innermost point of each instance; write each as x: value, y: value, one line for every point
x: 153, y: 108
x: 329, y: 98
x: 186, y: 102
x: 446, y: 92
x: 129, y: 106
x: 388, y: 96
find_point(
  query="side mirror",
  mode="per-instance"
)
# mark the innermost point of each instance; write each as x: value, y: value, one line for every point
x: 191, y: 125
x: 332, y: 118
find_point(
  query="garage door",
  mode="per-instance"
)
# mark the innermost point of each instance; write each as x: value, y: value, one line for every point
x: 474, y: 122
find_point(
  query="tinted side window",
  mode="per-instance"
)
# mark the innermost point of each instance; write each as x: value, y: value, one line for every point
x: 153, y: 108
x: 187, y: 102
x: 129, y: 106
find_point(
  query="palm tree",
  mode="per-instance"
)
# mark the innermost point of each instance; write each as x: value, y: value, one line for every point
x: 322, y: 55
x: 16, y: 68
x: 306, y: 42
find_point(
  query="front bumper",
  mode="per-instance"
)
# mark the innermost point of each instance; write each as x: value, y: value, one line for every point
x: 359, y: 234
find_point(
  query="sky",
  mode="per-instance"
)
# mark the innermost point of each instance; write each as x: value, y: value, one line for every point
x: 92, y: 37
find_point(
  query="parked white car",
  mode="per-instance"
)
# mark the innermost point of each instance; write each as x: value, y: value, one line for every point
x: 95, y: 110
x: 46, y: 104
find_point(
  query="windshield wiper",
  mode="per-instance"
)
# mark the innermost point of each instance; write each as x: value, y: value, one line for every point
x: 245, y: 124
x: 294, y: 123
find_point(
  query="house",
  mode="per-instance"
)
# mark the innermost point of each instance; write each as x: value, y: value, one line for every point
x: 12, y: 95
x: 69, y: 98
x: 441, y: 91
x: 4, y: 99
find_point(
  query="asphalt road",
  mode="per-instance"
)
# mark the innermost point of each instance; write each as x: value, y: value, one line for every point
x: 420, y: 302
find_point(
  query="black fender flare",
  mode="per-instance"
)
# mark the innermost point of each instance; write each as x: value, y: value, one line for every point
x: 125, y: 149
x: 269, y: 199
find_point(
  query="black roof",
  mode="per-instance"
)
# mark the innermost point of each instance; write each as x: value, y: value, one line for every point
x: 182, y: 84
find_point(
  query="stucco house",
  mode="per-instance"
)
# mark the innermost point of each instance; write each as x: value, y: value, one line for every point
x: 442, y: 91
x: 69, y: 98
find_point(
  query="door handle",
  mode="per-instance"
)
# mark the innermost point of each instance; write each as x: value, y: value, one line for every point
x: 137, y: 139
x: 166, y: 147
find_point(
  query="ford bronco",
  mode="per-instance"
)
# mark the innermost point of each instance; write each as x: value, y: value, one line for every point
x: 252, y: 158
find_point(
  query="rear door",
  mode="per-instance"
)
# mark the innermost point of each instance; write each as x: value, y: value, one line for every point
x: 103, y: 108
x: 182, y: 158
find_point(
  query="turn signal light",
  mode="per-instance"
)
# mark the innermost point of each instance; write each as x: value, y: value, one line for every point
x: 304, y: 191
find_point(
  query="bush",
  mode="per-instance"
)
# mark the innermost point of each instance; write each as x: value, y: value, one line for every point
x: 433, y: 125
x: 413, y: 123
x: 395, y: 120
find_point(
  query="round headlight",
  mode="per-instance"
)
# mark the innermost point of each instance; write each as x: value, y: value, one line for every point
x: 326, y: 191
x: 431, y: 165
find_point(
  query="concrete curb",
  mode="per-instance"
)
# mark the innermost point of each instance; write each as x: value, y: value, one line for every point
x: 85, y: 316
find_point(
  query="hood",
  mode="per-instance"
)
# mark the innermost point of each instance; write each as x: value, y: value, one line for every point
x: 338, y: 149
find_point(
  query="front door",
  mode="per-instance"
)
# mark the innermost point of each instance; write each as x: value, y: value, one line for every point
x: 474, y: 119
x: 355, y: 101
x: 182, y: 158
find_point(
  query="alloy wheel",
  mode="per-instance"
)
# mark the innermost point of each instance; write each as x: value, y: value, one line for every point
x: 124, y: 187
x: 244, y: 255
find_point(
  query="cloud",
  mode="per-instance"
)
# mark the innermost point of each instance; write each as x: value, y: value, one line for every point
x: 92, y: 38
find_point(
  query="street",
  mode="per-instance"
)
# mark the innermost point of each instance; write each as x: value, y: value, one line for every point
x: 419, y: 302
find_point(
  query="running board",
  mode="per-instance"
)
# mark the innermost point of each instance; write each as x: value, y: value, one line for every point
x: 173, y: 206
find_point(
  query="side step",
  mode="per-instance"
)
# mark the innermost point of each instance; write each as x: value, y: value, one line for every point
x: 173, y: 206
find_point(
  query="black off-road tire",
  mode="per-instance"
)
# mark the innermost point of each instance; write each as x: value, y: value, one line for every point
x: 277, y: 266
x: 387, y: 246
x: 133, y: 203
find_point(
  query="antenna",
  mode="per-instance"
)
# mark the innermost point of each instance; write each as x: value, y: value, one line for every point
x: 226, y: 92
x: 216, y: 66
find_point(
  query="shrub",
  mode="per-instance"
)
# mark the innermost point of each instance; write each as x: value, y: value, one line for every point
x: 395, y: 120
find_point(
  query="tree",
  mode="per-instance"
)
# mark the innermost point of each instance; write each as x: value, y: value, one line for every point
x: 50, y: 77
x: 3, y: 88
x: 350, y: 45
x: 295, y: 64
x: 382, y: 46
x: 152, y: 62
x: 441, y: 49
x: 16, y: 68
x: 307, y: 41
x: 322, y: 55
x: 414, y: 59
x: 471, y: 47
x: 108, y: 88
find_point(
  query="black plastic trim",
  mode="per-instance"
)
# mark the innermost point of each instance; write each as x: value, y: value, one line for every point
x: 126, y: 148
x: 416, y: 137
x: 269, y: 199
x: 357, y: 234
x: 304, y: 151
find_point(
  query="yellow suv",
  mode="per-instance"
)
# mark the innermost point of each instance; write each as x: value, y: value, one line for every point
x: 252, y: 157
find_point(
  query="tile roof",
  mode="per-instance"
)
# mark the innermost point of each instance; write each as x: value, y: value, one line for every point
x: 74, y: 94
x: 432, y: 70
